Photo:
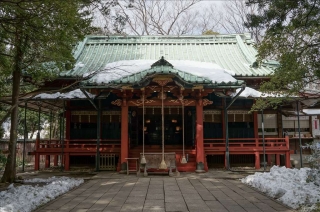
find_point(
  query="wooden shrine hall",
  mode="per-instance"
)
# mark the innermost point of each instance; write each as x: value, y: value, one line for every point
x: 135, y: 99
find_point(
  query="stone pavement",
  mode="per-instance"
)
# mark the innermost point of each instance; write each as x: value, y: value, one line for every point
x: 217, y: 191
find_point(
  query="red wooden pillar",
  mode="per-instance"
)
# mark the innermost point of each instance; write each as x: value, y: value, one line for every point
x: 37, y: 155
x: 199, y: 137
x: 257, y: 160
x: 55, y: 159
x: 288, y: 162
x: 36, y: 161
x: 278, y: 159
x: 67, y: 161
x: 269, y: 159
x: 47, y: 162
x: 124, y: 136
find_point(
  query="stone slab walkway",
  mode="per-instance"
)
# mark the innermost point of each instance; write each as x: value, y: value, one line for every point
x: 189, y: 192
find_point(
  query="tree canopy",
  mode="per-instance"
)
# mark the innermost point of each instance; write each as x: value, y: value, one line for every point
x: 36, y: 40
x: 292, y: 38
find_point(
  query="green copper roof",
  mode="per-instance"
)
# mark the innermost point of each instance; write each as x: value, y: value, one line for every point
x: 233, y: 52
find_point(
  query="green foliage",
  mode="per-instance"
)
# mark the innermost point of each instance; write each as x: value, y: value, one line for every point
x: 3, y: 160
x: 37, y: 39
x: 32, y: 119
x: 1, y: 131
x: 292, y: 38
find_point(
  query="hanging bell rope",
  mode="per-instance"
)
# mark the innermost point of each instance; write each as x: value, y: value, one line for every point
x: 163, y: 164
x: 143, y: 159
x: 183, y: 160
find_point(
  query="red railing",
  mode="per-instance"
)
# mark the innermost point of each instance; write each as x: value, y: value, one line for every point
x: 77, y: 144
x: 246, y: 144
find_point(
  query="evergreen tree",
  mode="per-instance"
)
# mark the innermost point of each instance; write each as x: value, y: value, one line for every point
x: 292, y: 38
x: 37, y: 38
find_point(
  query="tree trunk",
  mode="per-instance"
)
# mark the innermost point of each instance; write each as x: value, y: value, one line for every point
x: 9, y: 174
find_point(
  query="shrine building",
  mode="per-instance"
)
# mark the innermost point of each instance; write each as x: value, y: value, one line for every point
x: 190, y: 96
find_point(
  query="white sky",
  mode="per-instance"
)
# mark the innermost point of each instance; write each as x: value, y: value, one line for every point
x: 200, y: 6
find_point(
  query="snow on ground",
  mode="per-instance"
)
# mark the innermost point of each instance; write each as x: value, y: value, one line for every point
x: 289, y: 186
x: 26, y: 198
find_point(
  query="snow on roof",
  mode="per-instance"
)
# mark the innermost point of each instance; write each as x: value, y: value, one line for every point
x: 119, y: 69
x: 29, y: 197
x: 311, y: 111
x: 253, y: 93
x: 211, y: 71
x: 75, y: 94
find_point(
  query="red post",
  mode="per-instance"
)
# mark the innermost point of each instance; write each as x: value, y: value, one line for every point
x: 278, y: 159
x: 37, y: 156
x: 256, y: 142
x: 199, y: 137
x: 37, y: 142
x: 257, y: 160
x: 36, y: 161
x: 124, y: 136
x: 288, y: 162
x: 55, y: 160
x: 47, y: 163
x: 67, y: 162
x: 287, y: 142
x: 269, y: 159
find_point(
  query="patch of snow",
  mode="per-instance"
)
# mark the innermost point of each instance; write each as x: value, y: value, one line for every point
x: 79, y: 65
x: 311, y: 111
x: 27, y: 198
x: 210, y: 71
x: 6, y: 126
x: 75, y: 94
x: 247, y: 92
x: 290, y: 186
x: 119, y: 69
x: 253, y: 93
